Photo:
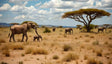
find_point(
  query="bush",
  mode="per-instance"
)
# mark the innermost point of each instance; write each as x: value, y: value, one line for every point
x: 47, y: 30
x: 55, y: 57
x: 67, y: 47
x: 70, y: 57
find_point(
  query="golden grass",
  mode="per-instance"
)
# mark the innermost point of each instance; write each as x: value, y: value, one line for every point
x: 55, y: 57
x: 92, y: 61
x: 34, y: 51
x: 2, y: 40
x: 39, y: 51
x: 67, y: 47
x: 17, y: 46
x: 70, y: 56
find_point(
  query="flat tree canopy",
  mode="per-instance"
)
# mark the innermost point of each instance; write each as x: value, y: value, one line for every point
x: 86, y: 16
x: 29, y: 21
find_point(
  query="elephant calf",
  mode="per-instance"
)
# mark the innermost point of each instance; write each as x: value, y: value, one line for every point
x: 37, y: 37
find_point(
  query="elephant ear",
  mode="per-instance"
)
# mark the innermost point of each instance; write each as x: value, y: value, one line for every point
x: 28, y: 25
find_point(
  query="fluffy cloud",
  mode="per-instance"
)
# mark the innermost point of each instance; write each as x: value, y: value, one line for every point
x: 5, y: 7
x: 20, y: 17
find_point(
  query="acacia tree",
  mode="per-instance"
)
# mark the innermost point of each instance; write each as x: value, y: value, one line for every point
x: 86, y: 16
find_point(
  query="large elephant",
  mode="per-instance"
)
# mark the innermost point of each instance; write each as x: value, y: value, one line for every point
x: 101, y: 29
x: 70, y: 30
x: 22, y: 29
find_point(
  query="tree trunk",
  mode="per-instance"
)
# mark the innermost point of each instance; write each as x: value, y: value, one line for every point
x: 88, y: 28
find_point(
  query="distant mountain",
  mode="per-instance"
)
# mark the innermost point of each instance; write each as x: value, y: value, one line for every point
x: 4, y: 25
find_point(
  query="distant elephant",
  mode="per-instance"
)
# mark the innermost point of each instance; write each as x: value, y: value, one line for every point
x: 70, y: 30
x: 21, y: 29
x: 101, y: 29
x: 53, y: 29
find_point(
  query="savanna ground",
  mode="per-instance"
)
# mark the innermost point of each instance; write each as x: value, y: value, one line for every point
x: 57, y: 48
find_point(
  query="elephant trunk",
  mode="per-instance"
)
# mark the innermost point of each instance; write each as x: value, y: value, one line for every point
x: 36, y: 31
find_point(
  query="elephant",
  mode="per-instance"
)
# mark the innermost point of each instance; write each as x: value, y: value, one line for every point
x: 37, y: 37
x: 53, y: 29
x: 22, y: 29
x: 101, y: 29
x: 69, y: 30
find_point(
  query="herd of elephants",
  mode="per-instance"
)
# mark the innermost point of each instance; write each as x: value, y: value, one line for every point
x: 22, y: 29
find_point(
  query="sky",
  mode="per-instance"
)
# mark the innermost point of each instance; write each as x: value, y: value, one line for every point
x: 49, y: 12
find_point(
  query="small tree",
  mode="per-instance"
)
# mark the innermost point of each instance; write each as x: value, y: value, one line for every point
x: 79, y: 26
x: 86, y: 16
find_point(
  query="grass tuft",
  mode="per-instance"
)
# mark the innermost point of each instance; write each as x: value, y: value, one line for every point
x: 70, y: 56
x: 96, y: 42
x: 92, y: 61
x: 56, y: 57
x: 17, y: 46
x: 67, y: 47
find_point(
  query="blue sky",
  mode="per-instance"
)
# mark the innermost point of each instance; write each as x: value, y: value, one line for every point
x: 49, y: 12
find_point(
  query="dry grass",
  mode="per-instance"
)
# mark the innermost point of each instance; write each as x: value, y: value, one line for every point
x: 2, y: 41
x: 70, y: 56
x: 92, y: 61
x: 17, y: 46
x: 67, y: 47
x: 96, y: 42
x: 58, y: 48
x: 34, y: 51
x: 56, y: 57
x: 39, y: 51
x: 28, y: 50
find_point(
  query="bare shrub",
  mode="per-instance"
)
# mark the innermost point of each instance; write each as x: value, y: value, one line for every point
x: 70, y: 57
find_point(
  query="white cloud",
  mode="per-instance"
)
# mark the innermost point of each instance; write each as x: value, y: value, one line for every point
x: 0, y: 15
x: 20, y: 17
x: 38, y: 4
x: 5, y: 7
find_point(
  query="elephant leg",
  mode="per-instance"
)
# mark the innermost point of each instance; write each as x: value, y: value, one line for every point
x: 13, y: 38
x: 22, y: 38
x: 10, y: 38
x: 26, y: 37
